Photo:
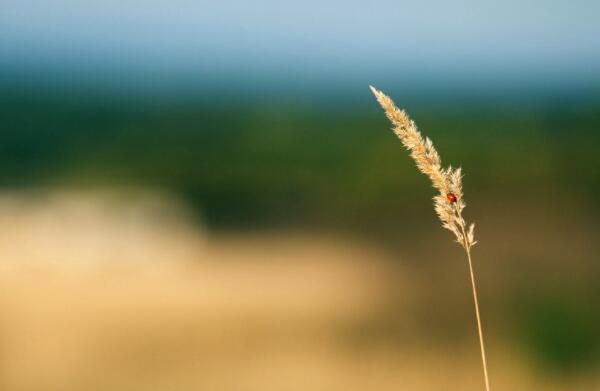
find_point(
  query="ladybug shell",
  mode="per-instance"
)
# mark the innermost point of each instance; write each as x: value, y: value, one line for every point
x: 451, y: 197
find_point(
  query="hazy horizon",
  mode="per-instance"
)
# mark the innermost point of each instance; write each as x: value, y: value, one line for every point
x: 268, y: 44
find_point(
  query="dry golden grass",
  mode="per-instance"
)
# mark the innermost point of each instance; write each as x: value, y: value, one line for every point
x: 162, y: 304
x: 449, y: 203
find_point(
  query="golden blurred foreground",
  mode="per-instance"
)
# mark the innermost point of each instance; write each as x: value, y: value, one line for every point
x: 122, y: 291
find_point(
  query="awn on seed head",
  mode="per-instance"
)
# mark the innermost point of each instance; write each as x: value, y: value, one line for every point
x: 448, y: 203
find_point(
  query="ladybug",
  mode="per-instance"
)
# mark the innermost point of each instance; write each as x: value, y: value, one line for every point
x: 451, y: 197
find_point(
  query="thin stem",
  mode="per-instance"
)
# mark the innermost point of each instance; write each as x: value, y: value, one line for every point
x: 467, y: 246
x: 479, y: 328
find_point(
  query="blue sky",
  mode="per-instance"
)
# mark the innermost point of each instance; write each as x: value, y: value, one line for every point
x: 549, y: 40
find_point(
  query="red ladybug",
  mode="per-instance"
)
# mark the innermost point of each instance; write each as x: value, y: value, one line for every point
x: 451, y: 197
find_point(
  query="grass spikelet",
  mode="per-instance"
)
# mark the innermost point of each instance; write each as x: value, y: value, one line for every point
x: 448, y: 203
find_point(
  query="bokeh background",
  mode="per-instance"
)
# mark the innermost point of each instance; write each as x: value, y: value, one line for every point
x: 205, y: 196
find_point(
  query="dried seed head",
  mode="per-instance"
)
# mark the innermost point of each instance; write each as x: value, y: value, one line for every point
x: 449, y: 202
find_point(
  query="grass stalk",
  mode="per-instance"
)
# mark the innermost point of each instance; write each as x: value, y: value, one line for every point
x: 448, y: 203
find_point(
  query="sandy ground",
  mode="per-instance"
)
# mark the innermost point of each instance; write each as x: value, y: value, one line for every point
x: 120, y: 291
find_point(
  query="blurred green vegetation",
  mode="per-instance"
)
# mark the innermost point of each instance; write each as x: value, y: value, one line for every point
x: 559, y: 328
x: 251, y: 162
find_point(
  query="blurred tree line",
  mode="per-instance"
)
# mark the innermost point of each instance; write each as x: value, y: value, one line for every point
x: 248, y: 162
